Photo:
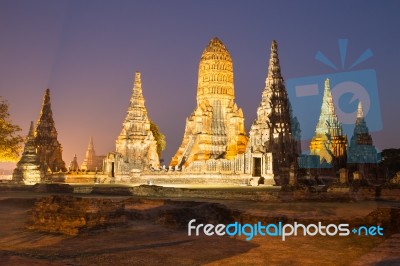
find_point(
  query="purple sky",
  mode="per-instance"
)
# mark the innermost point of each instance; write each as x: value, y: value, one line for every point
x: 86, y: 52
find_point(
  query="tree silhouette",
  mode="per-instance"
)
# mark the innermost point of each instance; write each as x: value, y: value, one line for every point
x: 10, y: 140
x: 159, y: 137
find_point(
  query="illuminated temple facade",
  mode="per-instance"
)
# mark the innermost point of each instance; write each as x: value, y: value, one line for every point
x: 215, y: 140
x: 136, y: 148
x: 215, y: 130
x: 215, y: 143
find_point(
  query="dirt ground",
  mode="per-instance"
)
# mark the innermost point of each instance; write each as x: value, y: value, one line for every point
x: 143, y: 243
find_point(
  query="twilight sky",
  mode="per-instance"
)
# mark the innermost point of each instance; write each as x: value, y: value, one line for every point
x: 86, y: 52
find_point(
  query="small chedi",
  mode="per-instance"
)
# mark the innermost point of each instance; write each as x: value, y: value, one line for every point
x: 73, y: 165
x: 92, y: 162
x: 29, y: 170
x: 274, y: 135
x: 215, y: 130
x: 361, y: 149
x: 329, y: 142
x: 136, y: 147
x: 362, y: 157
x: 42, y: 152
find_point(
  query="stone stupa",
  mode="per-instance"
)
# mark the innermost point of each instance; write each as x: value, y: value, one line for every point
x: 29, y: 170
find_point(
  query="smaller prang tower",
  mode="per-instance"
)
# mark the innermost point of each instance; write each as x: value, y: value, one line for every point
x: 92, y: 162
x: 135, y: 146
x: 49, y: 149
x: 73, y: 165
x: 273, y: 146
x: 362, y: 154
x: 362, y: 149
x: 329, y: 142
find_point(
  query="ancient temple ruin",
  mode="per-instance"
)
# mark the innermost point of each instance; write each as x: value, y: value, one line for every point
x: 361, y: 149
x: 29, y: 170
x: 329, y: 142
x: 273, y: 147
x: 42, y: 151
x: 215, y: 130
x: 49, y: 149
x: 136, y: 148
x: 92, y: 162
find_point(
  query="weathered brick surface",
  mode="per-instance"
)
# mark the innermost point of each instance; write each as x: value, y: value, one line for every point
x: 72, y: 215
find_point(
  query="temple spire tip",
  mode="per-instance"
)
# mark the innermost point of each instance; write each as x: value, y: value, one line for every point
x: 360, y: 112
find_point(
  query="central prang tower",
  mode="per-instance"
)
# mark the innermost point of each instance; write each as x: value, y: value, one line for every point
x: 215, y: 79
x: 215, y: 130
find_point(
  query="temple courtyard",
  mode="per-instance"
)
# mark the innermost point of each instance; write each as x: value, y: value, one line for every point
x: 152, y: 230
